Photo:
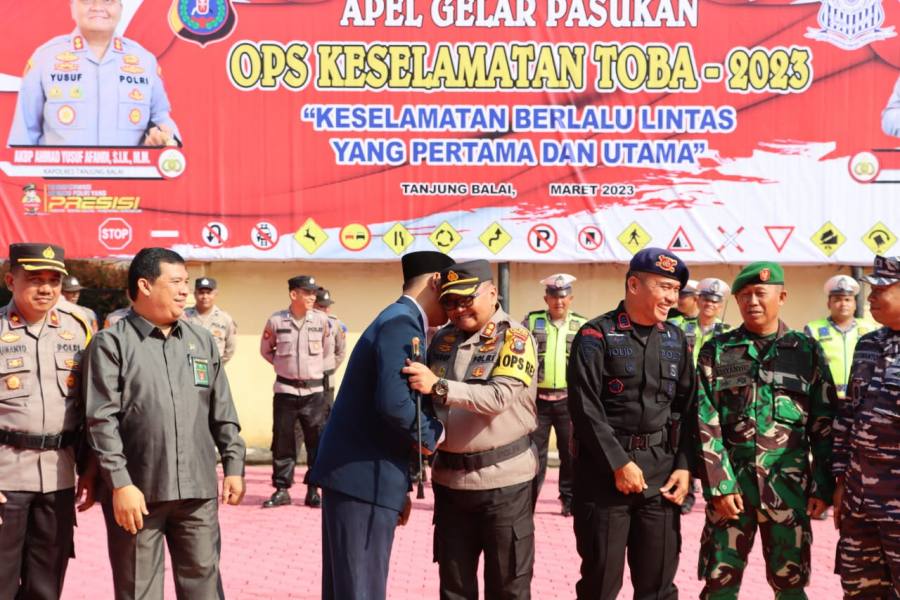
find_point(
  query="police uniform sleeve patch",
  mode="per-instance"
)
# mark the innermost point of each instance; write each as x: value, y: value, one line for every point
x: 516, y: 358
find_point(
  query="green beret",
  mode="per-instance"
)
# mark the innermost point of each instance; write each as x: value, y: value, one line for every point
x: 765, y: 272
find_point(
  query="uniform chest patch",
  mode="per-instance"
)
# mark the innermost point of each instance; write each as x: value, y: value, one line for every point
x: 615, y: 386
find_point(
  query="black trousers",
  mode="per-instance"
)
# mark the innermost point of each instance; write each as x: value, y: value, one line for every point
x: 554, y: 414
x: 647, y: 529
x: 356, y: 547
x: 312, y: 411
x: 35, y: 543
x: 498, y: 523
x: 190, y: 529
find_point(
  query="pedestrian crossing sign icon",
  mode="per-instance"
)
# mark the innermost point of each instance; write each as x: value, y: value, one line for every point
x: 310, y: 236
x: 634, y: 237
x: 495, y: 238
x: 828, y: 238
x: 398, y: 238
x: 879, y: 239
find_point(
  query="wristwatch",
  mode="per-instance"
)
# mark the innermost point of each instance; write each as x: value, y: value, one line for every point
x: 440, y: 388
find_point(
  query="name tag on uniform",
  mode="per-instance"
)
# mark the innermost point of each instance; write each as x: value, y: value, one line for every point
x: 200, y: 366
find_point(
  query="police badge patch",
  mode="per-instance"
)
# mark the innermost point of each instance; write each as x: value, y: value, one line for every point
x: 202, y: 21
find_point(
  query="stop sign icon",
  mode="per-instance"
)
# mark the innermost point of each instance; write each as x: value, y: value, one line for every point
x: 114, y: 233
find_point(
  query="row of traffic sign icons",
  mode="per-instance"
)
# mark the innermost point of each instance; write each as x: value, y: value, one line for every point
x: 542, y: 237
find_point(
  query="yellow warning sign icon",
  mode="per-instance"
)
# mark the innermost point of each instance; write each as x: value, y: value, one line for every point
x: 828, y: 238
x: 355, y: 237
x: 879, y: 238
x: 445, y: 237
x: 398, y: 238
x: 310, y: 236
x: 495, y: 238
x: 634, y: 237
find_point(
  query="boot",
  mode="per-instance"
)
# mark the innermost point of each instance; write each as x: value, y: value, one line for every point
x: 279, y: 498
x: 312, y: 497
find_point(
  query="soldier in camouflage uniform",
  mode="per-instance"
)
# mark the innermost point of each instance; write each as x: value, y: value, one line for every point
x: 867, y: 448
x: 765, y: 400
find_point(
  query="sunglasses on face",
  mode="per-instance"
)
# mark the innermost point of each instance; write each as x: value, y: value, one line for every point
x: 462, y: 303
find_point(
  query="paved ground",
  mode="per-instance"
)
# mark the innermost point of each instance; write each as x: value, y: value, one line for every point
x: 274, y: 554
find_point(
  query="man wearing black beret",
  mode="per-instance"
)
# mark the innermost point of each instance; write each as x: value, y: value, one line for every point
x: 365, y: 450
x: 631, y: 383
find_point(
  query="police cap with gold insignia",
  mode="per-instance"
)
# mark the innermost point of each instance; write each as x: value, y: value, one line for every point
x: 424, y: 262
x: 70, y: 283
x: 323, y: 297
x: 463, y: 279
x: 559, y: 285
x: 761, y: 272
x: 841, y: 285
x: 660, y: 262
x: 713, y: 289
x: 205, y: 283
x: 37, y: 257
x: 303, y: 282
x: 887, y: 271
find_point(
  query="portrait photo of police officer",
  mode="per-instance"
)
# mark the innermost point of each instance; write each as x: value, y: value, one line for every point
x: 91, y: 87
x: 631, y: 383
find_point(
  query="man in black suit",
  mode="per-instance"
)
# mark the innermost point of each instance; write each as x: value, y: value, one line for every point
x: 365, y: 450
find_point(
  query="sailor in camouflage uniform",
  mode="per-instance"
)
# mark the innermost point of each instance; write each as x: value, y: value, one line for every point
x: 765, y: 401
x: 867, y: 450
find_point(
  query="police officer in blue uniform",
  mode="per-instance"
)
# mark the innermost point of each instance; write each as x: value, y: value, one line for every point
x: 91, y: 88
x: 631, y: 384
x: 371, y: 437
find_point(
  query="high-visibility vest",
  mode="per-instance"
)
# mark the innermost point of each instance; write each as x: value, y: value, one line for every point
x: 839, y: 346
x: 553, y: 345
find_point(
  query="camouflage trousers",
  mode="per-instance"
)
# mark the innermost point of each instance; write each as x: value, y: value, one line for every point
x: 725, y: 545
x: 868, y: 552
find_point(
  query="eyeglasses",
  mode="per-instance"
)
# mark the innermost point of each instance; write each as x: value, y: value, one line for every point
x: 463, y: 303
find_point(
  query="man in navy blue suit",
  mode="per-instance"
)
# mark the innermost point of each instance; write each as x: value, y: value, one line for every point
x: 365, y: 451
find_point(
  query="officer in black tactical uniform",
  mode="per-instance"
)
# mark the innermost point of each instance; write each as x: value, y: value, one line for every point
x: 631, y: 382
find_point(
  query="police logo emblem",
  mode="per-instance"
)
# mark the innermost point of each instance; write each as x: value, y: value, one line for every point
x: 136, y: 95
x: 518, y: 345
x: 666, y: 263
x: 616, y: 386
x: 65, y: 115
x: 452, y: 276
x: 13, y: 383
x: 67, y: 335
x: 48, y: 253
x: 134, y: 116
x: 202, y: 21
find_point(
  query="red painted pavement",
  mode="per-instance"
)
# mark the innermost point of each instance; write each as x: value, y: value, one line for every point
x: 275, y: 554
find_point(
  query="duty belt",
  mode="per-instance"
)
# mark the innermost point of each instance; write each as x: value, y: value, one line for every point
x: 38, y: 441
x: 640, y: 441
x: 298, y: 383
x: 479, y: 460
